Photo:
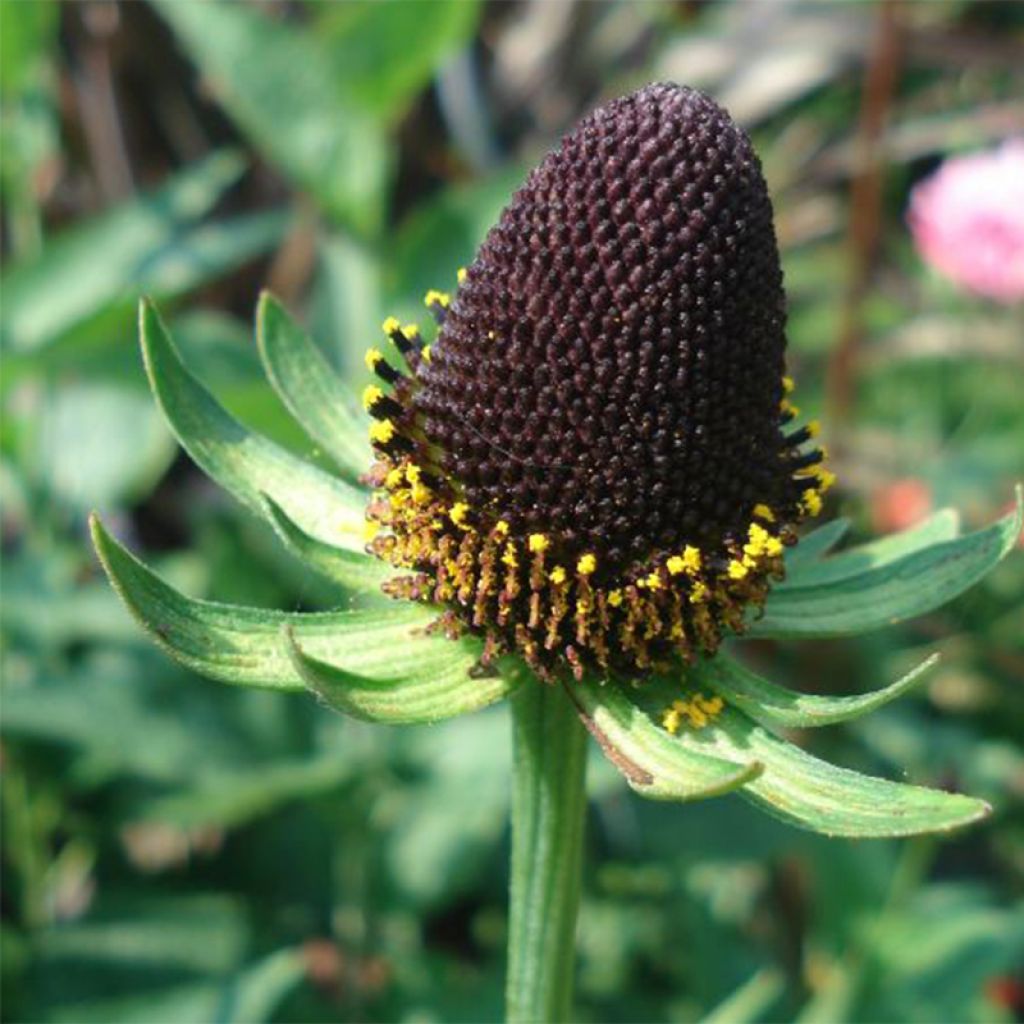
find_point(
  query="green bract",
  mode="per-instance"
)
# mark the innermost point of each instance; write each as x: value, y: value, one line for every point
x: 383, y: 663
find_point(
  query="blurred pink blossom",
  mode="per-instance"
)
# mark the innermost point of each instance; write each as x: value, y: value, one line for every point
x: 968, y: 221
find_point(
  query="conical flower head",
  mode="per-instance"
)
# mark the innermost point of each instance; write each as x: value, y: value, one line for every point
x: 591, y: 462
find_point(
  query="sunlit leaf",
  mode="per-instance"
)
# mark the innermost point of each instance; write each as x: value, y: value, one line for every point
x: 430, y: 694
x: 776, y: 706
x: 909, y: 585
x: 107, y: 259
x: 804, y: 790
x: 245, y: 646
x: 278, y: 83
x: 312, y: 391
x: 243, y: 463
x: 653, y: 762
x: 943, y: 525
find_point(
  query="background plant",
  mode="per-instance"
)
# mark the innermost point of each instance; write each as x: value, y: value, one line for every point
x: 148, y: 816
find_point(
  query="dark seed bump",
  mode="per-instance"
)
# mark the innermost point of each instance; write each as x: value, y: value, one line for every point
x: 610, y: 370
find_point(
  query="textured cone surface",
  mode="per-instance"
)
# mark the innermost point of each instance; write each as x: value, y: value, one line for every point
x: 610, y: 371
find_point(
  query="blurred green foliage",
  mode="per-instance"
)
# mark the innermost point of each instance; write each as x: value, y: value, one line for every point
x: 174, y: 850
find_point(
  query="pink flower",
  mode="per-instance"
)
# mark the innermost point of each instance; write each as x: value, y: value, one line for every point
x: 968, y: 221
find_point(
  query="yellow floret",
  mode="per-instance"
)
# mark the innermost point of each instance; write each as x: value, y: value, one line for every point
x: 615, y: 598
x: 699, y: 593
x: 382, y: 432
x: 765, y: 513
x: 458, y: 514
x: 425, y: 352
x: 737, y: 570
x: 370, y: 530
x: 509, y: 556
x: 538, y: 543
x: 813, y: 428
x: 391, y: 325
x: 557, y: 575
x: 372, y: 358
x: 691, y: 559
x: 586, y: 565
x: 371, y: 396
x: 393, y: 479
x: 434, y: 297
x: 501, y: 528
x: 675, y: 565
x: 671, y: 719
x: 788, y: 385
x: 460, y: 274
x: 653, y: 580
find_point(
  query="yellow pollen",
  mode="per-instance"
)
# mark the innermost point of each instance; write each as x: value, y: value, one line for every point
x: 586, y: 565
x: 371, y: 396
x: 538, y: 543
x: 691, y: 559
x: 699, y: 593
x: 382, y: 432
x: 391, y: 325
x: 501, y: 528
x: 434, y: 297
x: 460, y: 275
x: 813, y: 428
x: 788, y: 385
x: 812, y: 502
x: 765, y: 513
x: 413, y: 473
x: 698, y: 711
x: 458, y: 514
x: 557, y: 575
x: 615, y: 598
x: 675, y: 565
x: 370, y: 530
x: 411, y: 331
x: 787, y: 406
x: 509, y: 556
x: 421, y: 494
x: 826, y: 479
x: 653, y: 580
x: 737, y: 570
x: 393, y: 479
x: 425, y: 352
x: 372, y: 358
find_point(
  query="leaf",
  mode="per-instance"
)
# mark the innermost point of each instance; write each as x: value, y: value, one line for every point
x: 357, y: 572
x: 801, y: 789
x: 376, y: 65
x: 432, y: 693
x: 106, y: 259
x: 379, y: 651
x: 817, y: 543
x: 278, y: 84
x: 247, y: 465
x: 909, y: 585
x: 255, y: 993
x: 776, y: 706
x: 748, y: 1002
x: 943, y: 525
x: 312, y: 391
x: 653, y: 762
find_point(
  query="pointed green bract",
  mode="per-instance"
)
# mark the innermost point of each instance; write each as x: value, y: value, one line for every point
x: 803, y: 790
x: 776, y: 706
x: 311, y: 390
x: 442, y: 690
x: 816, y: 544
x: 943, y: 525
x: 898, y: 589
x: 653, y: 762
x: 244, y: 645
x: 358, y: 572
x: 244, y: 463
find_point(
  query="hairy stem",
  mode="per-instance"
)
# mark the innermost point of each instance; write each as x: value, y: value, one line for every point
x: 548, y: 808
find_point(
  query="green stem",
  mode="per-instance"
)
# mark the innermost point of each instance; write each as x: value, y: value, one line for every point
x: 548, y: 809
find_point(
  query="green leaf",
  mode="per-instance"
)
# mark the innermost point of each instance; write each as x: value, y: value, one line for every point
x: 312, y: 391
x: 908, y: 585
x: 244, y: 646
x: 805, y: 791
x: 943, y: 525
x: 750, y: 1001
x: 358, y: 572
x: 653, y: 762
x: 279, y: 85
x: 247, y: 465
x: 776, y: 706
x: 817, y: 543
x: 111, y: 258
x: 387, y: 52
x: 444, y: 689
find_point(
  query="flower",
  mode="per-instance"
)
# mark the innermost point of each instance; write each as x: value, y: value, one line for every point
x: 968, y: 221
x: 595, y: 465
x: 589, y: 475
